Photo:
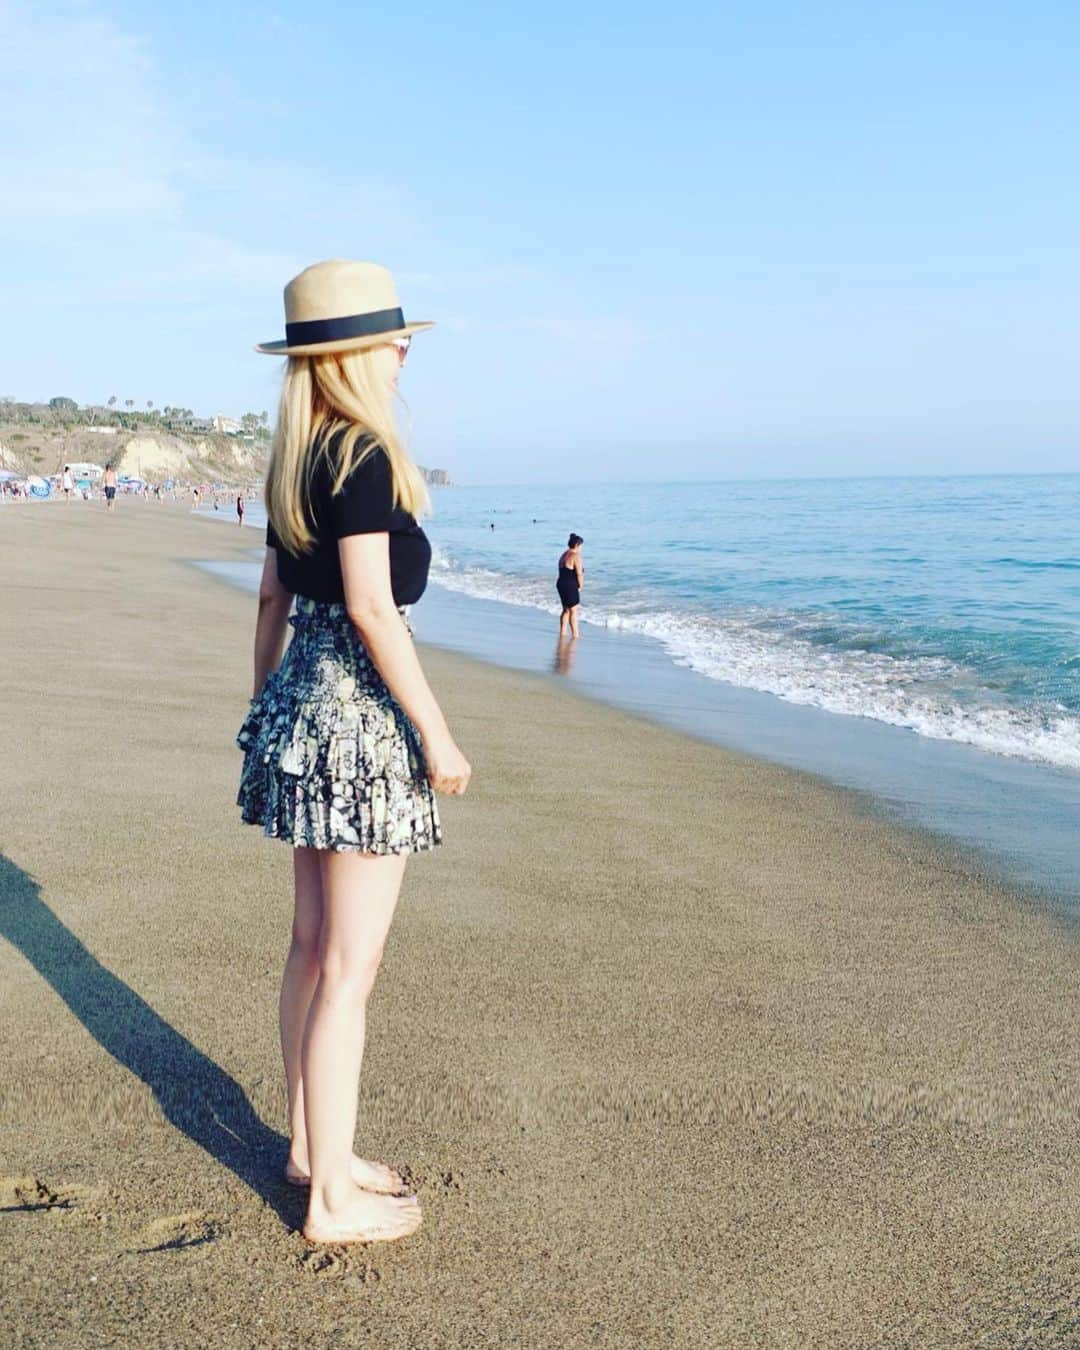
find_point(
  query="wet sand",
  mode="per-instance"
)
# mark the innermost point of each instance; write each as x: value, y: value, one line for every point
x: 680, y: 1047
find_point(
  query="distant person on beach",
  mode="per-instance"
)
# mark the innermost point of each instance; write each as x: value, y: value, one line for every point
x: 568, y: 584
x: 108, y: 480
x: 67, y: 483
x: 240, y: 509
x: 344, y: 743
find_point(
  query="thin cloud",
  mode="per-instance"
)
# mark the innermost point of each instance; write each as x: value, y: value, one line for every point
x: 96, y: 168
x: 83, y: 133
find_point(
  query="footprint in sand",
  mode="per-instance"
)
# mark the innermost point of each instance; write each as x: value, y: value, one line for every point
x: 178, y: 1233
x: 325, y: 1264
x: 31, y: 1195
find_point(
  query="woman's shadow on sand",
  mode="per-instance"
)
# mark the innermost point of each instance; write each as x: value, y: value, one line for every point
x: 196, y: 1096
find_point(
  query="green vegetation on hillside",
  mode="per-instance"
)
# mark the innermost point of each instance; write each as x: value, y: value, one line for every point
x: 64, y: 412
x: 157, y: 443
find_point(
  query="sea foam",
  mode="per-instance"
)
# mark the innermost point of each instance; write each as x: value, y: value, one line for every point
x: 930, y: 695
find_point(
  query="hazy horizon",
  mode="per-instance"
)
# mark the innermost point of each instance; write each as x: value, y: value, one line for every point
x: 769, y: 478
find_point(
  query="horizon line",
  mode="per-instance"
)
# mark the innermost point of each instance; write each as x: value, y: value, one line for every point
x: 779, y: 478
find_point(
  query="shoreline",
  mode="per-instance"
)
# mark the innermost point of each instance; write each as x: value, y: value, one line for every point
x: 1012, y: 819
x: 680, y: 1045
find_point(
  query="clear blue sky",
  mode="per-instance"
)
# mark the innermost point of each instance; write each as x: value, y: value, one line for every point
x: 688, y: 241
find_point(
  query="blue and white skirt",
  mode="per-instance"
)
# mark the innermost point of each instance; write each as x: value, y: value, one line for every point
x: 330, y: 758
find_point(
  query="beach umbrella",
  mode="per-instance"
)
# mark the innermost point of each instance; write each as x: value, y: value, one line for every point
x: 39, y: 487
x: 6, y: 475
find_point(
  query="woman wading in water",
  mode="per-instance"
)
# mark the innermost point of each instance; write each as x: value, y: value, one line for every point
x: 568, y: 584
x: 344, y: 743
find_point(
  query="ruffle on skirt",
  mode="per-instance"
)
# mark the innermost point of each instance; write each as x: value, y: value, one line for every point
x: 331, y: 760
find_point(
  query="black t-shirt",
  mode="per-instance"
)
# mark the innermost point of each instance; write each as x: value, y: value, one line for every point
x: 365, y: 505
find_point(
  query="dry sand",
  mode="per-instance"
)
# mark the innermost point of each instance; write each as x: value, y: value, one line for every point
x: 681, y: 1048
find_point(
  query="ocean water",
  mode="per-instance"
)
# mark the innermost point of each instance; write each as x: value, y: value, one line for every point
x: 947, y: 606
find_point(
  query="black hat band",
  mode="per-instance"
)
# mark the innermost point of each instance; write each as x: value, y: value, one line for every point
x: 351, y: 326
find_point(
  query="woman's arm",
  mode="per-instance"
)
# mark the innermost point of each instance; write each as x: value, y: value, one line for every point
x: 369, y: 600
x: 274, y: 605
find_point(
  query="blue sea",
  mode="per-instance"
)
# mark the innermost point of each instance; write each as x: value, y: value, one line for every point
x: 949, y: 606
x: 941, y: 610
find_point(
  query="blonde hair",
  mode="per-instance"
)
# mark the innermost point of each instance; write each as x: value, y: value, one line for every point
x: 321, y: 396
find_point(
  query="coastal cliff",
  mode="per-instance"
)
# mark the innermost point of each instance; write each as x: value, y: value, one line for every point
x: 153, y: 454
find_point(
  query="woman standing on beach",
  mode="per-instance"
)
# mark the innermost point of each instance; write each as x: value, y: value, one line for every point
x: 344, y: 743
x: 569, y: 583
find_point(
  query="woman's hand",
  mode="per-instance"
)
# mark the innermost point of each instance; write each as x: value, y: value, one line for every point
x: 447, y: 768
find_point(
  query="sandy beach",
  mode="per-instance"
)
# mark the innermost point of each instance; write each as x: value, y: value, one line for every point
x: 679, y: 1047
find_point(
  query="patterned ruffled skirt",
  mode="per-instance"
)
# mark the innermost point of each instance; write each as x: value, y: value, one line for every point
x: 330, y: 758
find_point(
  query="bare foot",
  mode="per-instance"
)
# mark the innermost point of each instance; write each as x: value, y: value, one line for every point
x: 372, y: 1176
x: 363, y: 1218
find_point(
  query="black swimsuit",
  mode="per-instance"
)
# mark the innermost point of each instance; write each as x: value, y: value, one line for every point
x: 568, y: 588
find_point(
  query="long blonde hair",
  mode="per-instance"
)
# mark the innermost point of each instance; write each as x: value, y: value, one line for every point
x: 321, y: 396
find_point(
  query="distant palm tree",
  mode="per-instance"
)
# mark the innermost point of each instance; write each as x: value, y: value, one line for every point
x: 112, y: 401
x: 129, y: 403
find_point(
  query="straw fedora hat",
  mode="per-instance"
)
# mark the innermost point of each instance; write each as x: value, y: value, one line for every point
x: 339, y: 306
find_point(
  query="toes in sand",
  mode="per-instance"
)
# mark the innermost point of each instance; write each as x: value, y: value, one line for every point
x: 365, y: 1218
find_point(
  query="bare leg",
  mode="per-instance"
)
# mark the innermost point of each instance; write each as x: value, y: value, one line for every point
x: 573, y: 613
x: 299, y: 980
x: 297, y: 987
x: 360, y: 893
x: 564, y: 622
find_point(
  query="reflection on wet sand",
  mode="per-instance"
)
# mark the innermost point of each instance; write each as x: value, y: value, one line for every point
x: 564, y: 655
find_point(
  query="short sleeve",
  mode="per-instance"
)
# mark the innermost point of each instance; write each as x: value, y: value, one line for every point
x: 365, y: 504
